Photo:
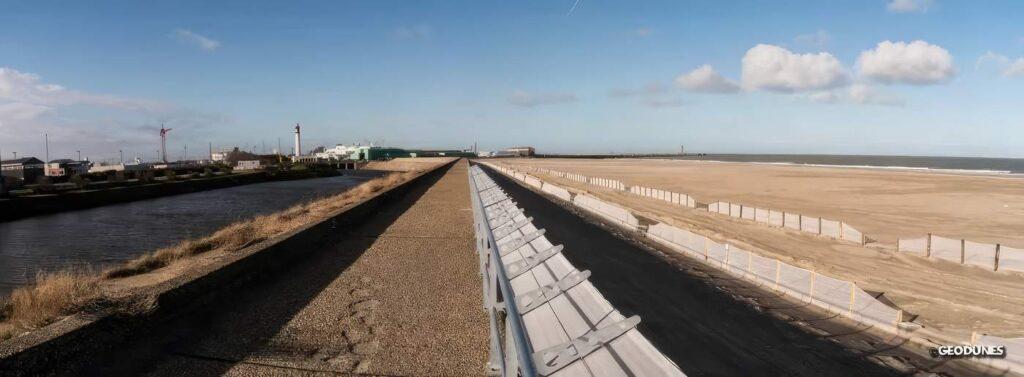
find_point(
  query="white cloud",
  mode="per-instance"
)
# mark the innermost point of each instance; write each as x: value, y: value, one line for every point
x: 704, y: 79
x: 1008, y: 67
x: 826, y: 96
x: 819, y: 39
x: 867, y: 95
x: 29, y: 106
x: 1016, y: 69
x: 917, y: 62
x: 909, y: 6
x: 859, y: 94
x: 526, y: 99
x: 189, y: 37
x: 993, y: 58
x: 777, y: 69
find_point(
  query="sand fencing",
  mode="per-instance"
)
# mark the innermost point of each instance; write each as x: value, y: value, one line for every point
x: 836, y: 296
x: 675, y: 198
x: 834, y: 229
x: 989, y: 256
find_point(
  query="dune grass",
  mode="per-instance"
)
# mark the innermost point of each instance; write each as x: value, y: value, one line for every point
x: 61, y: 293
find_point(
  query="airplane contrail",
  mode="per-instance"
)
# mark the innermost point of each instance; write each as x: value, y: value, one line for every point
x: 573, y: 7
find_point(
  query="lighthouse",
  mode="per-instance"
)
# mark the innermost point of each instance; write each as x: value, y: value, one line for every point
x: 298, y: 140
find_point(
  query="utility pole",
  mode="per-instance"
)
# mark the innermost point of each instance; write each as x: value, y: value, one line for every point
x: 185, y: 157
x: 278, y: 145
x: 121, y: 152
x: 211, y: 152
x: 79, y: 155
x: 47, y: 148
x: 15, y: 155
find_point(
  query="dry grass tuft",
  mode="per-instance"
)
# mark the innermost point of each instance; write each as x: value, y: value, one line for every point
x: 65, y: 292
x: 54, y: 294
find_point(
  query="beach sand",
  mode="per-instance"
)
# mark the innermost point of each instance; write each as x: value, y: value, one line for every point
x: 882, y: 203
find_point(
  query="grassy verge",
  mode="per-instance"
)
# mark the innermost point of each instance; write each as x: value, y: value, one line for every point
x: 62, y: 293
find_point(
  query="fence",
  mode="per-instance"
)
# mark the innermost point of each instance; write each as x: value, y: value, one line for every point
x: 545, y: 315
x: 834, y: 295
x: 985, y: 255
x: 667, y: 196
x: 990, y: 256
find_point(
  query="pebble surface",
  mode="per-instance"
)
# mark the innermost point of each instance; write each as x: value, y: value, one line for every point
x: 400, y: 296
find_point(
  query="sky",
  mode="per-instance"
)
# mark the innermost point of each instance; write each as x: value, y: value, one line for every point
x: 903, y: 77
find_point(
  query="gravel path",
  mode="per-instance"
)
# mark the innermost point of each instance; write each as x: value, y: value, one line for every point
x: 398, y: 296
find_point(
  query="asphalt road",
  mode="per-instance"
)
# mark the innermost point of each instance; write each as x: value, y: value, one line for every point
x: 704, y: 330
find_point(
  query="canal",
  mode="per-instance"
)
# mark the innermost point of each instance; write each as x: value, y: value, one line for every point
x: 103, y: 236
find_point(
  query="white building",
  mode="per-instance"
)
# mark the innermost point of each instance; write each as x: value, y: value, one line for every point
x: 248, y: 165
x: 339, y: 152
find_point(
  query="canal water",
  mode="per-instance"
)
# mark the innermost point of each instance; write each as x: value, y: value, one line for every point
x: 103, y: 236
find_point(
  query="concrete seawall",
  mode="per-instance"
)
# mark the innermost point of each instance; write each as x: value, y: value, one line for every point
x: 71, y: 344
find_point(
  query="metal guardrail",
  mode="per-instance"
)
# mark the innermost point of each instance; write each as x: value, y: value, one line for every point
x: 536, y: 298
x: 511, y: 352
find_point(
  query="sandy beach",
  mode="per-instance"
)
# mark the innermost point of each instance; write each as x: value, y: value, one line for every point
x: 883, y: 203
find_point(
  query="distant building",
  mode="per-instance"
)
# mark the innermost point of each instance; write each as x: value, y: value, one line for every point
x: 66, y: 167
x: 118, y: 167
x: 522, y: 151
x: 248, y: 165
x: 338, y: 152
x: 27, y: 169
x: 219, y: 156
x: 515, y: 152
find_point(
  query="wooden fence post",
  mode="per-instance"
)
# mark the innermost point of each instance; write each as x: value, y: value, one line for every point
x: 928, y: 249
x: 996, y: 267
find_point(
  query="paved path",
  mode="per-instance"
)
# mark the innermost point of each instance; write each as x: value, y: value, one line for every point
x: 398, y: 295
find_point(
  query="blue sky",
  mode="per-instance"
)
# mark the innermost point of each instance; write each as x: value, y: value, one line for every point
x: 781, y: 76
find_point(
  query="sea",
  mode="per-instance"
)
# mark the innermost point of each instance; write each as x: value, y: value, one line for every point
x: 982, y: 165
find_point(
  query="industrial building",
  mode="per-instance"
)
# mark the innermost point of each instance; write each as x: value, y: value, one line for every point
x: 66, y: 168
x: 27, y: 169
x: 516, y: 152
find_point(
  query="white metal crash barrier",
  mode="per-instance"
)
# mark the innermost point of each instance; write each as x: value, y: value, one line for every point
x: 546, y: 318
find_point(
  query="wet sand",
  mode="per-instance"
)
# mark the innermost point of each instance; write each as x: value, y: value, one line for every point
x: 949, y: 297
